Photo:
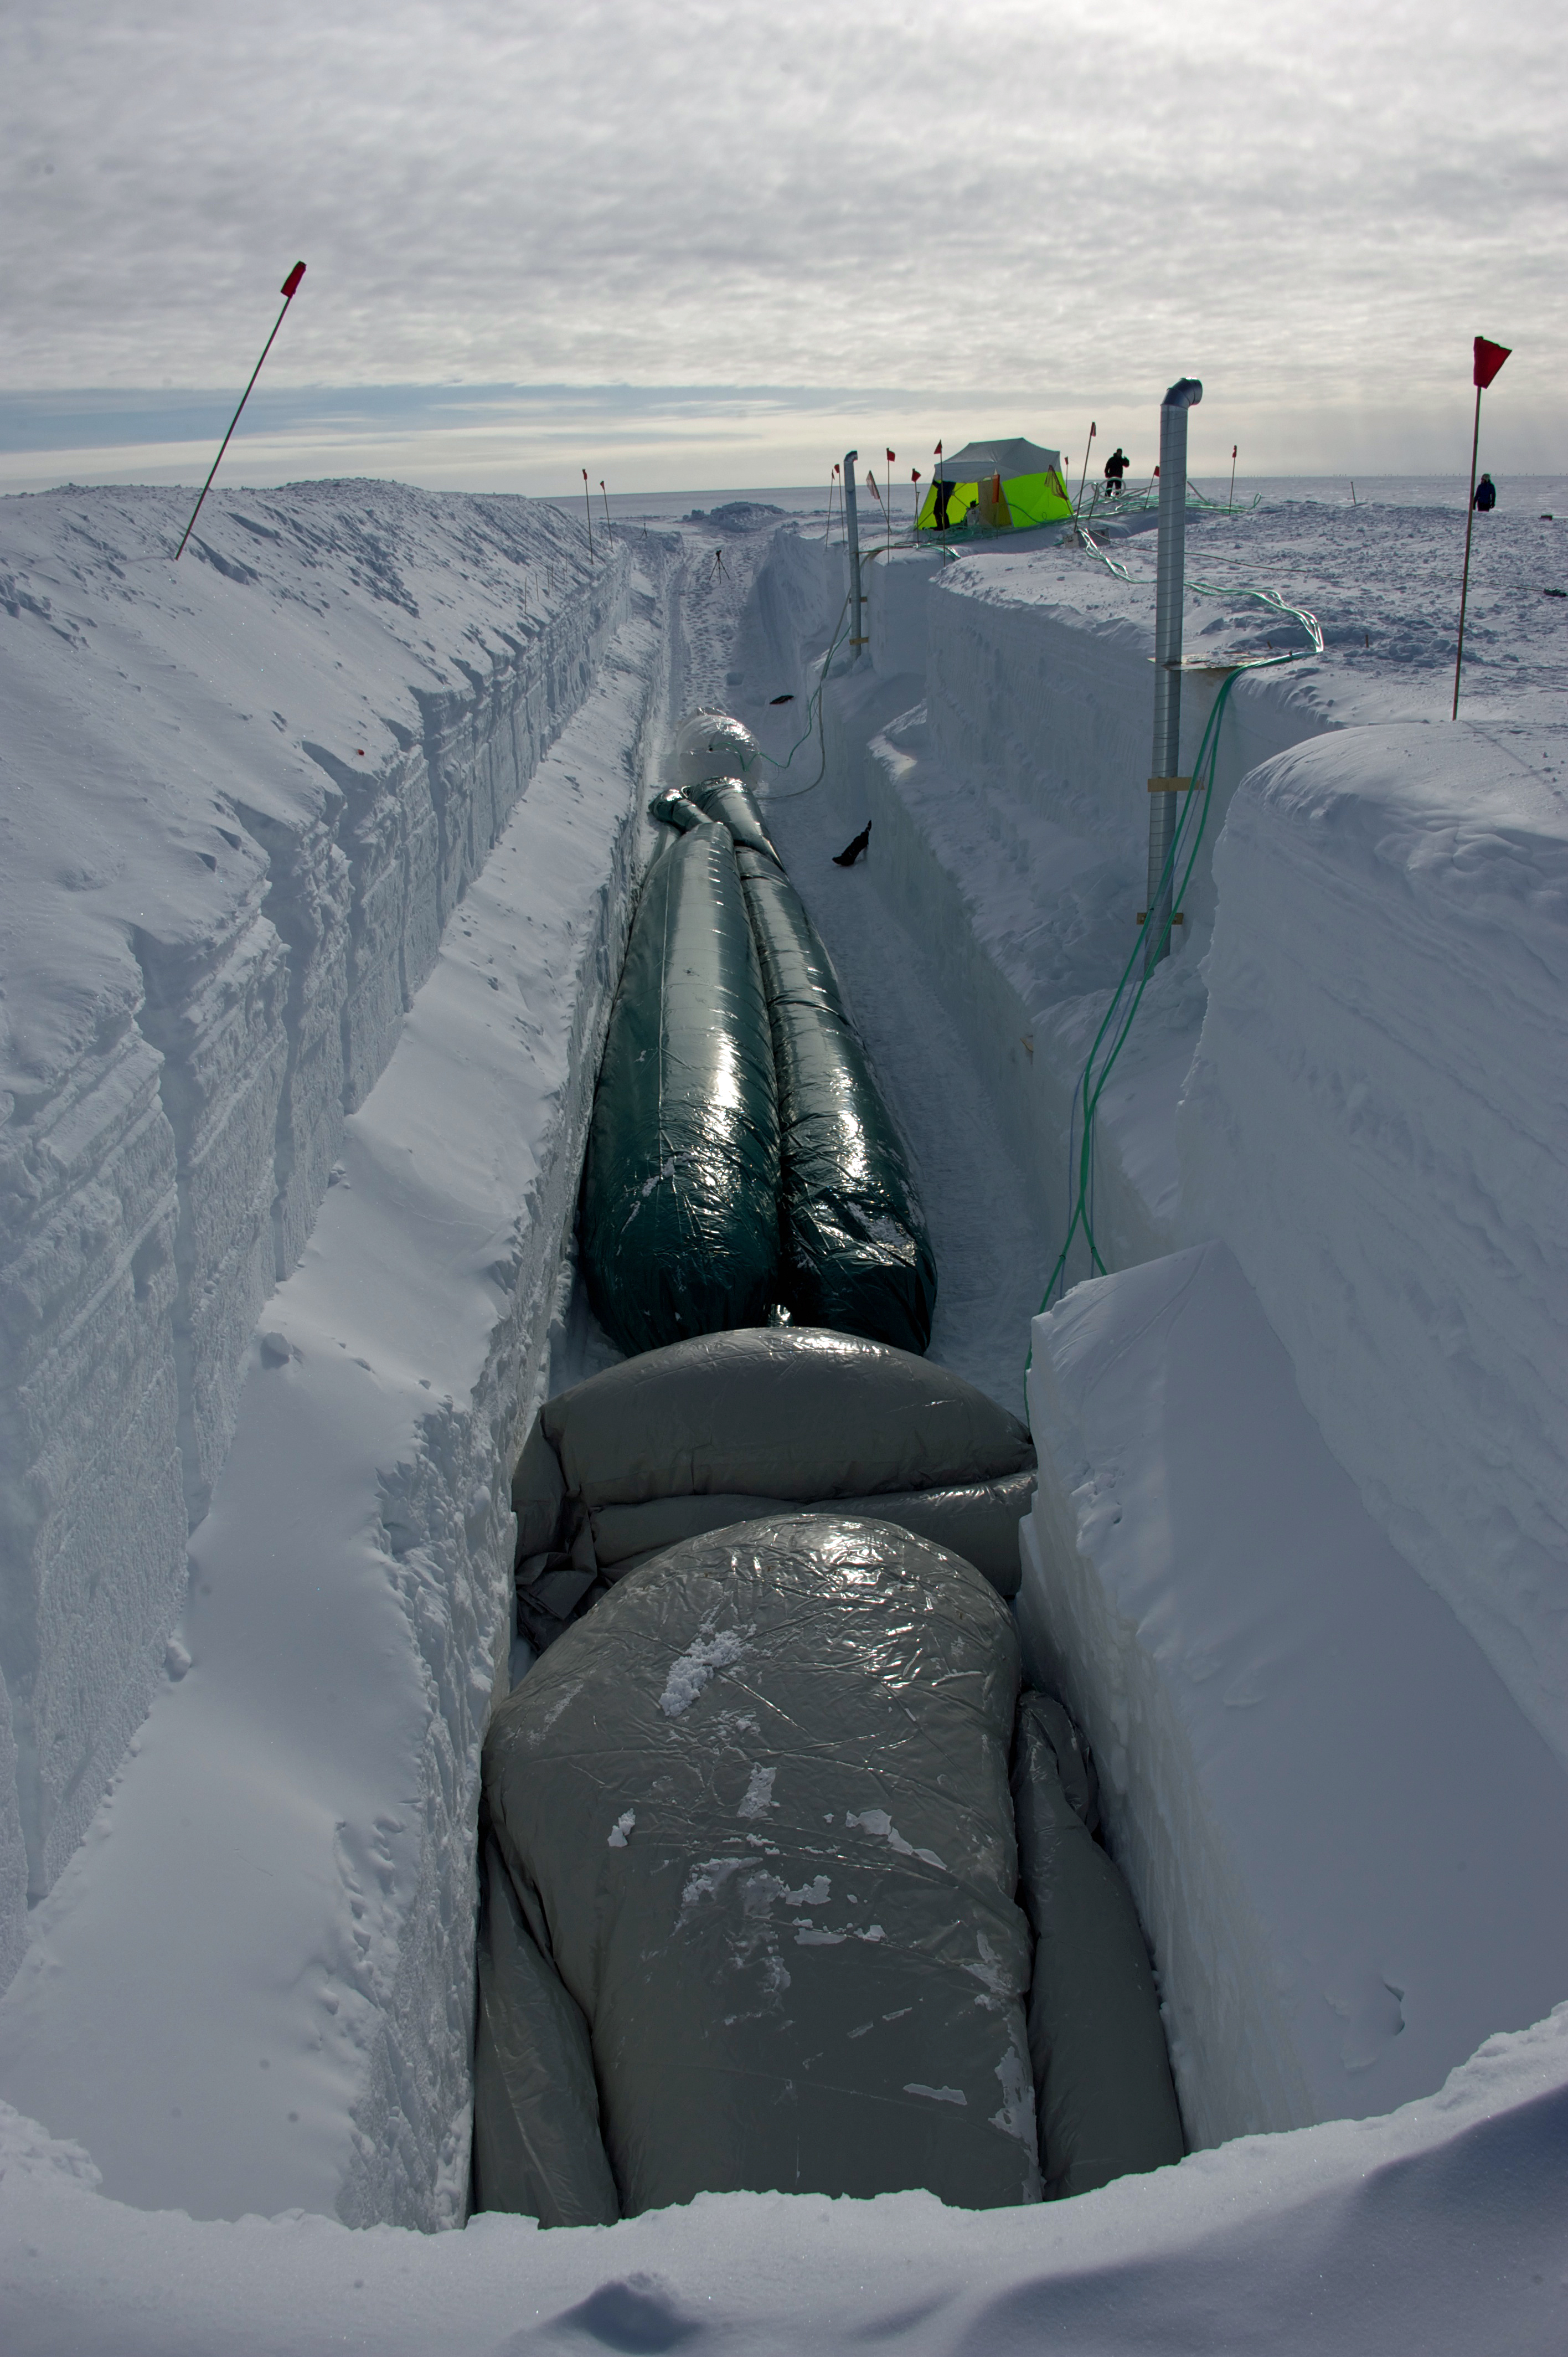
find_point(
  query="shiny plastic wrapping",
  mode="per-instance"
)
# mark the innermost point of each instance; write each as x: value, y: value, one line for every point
x: 734, y: 806
x: 537, y: 2147
x: 857, y: 1254
x: 979, y: 1520
x: 759, y: 1801
x: 1102, y: 2077
x: 711, y: 744
x: 778, y: 1412
x: 679, y: 1227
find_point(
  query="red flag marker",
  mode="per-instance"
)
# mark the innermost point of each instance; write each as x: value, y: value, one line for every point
x: 1490, y: 358
x: 288, y: 290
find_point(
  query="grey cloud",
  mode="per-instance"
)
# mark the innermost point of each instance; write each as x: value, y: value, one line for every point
x: 900, y: 194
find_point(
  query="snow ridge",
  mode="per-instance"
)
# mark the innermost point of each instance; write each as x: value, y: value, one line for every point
x: 241, y: 803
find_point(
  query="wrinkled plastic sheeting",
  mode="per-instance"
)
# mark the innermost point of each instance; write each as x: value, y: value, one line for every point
x: 673, y: 809
x: 760, y: 1800
x: 855, y: 1249
x: 537, y: 2147
x: 778, y: 1412
x: 979, y: 1521
x: 679, y: 1227
x: 1102, y: 2079
x: 711, y: 744
x: 733, y: 805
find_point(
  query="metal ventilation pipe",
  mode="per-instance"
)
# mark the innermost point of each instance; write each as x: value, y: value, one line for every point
x: 1170, y: 569
x: 852, y: 532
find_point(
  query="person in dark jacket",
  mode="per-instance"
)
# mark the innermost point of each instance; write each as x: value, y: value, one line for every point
x: 1485, y: 495
x: 1116, y: 467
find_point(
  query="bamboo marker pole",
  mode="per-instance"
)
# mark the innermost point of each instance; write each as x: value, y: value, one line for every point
x: 1084, y: 477
x: 288, y: 290
x: 606, y: 497
x: 588, y: 504
x: 1490, y: 359
x: 1230, y: 502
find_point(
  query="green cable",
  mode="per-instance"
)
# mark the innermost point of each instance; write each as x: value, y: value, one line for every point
x: 1091, y: 1087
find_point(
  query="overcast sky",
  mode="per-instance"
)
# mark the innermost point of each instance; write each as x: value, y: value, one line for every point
x: 1051, y: 209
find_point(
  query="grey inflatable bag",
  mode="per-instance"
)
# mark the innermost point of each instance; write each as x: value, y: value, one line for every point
x: 979, y: 1521
x: 778, y: 1412
x: 537, y: 2148
x: 762, y: 1796
x: 1102, y: 2079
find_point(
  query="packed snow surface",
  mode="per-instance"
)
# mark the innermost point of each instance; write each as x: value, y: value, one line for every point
x: 1335, y: 1819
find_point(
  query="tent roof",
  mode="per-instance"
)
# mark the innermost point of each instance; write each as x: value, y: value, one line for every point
x: 1017, y: 455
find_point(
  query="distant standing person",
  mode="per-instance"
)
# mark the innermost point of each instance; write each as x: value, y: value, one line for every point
x: 1116, y: 467
x: 1485, y: 495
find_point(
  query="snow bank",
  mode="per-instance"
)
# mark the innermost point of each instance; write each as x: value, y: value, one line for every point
x: 1438, y: 2229
x: 1009, y: 791
x: 242, y: 801
x: 1377, y: 1123
x: 1334, y: 1818
x: 1372, y: 1125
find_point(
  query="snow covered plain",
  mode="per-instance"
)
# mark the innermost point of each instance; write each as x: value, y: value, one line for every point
x: 320, y: 1884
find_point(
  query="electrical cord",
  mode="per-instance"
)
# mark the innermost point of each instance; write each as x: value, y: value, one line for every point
x: 1119, y: 1016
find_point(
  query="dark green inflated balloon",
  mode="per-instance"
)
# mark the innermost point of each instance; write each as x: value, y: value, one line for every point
x: 679, y: 1219
x: 857, y: 1254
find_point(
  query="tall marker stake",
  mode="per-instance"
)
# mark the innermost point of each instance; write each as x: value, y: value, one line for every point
x: 1084, y: 477
x: 288, y: 290
x: 851, y: 541
x: 1232, y: 501
x: 1490, y: 359
x: 1170, y: 564
x: 588, y: 504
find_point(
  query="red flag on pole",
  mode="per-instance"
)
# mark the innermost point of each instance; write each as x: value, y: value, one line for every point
x: 1490, y: 359
x: 288, y: 290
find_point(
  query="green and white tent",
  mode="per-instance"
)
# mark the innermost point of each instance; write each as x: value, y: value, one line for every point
x: 1014, y: 483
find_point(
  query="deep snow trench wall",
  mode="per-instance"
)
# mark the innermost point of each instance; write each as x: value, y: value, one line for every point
x: 241, y: 802
x: 1375, y: 937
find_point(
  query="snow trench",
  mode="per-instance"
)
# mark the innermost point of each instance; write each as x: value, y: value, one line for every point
x: 299, y: 1800
x: 1292, y: 1679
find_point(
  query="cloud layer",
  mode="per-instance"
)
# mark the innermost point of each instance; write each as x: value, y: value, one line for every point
x: 1313, y: 209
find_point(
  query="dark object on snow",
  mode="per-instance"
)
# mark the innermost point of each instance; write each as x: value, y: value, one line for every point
x: 978, y: 1520
x: 856, y: 1254
x: 852, y: 849
x: 731, y: 803
x: 730, y: 1427
x: 757, y: 1810
x: 672, y: 809
x: 679, y: 1221
x: 782, y: 699
x: 537, y: 2147
x: 778, y: 1412
x: 1485, y: 495
x: 1102, y: 2078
